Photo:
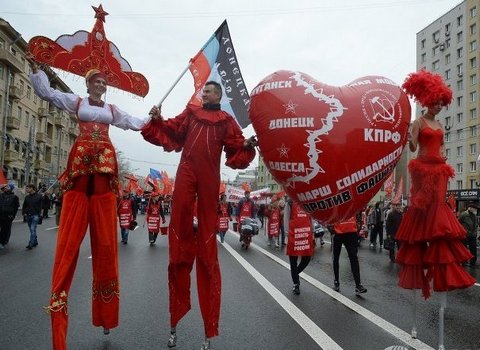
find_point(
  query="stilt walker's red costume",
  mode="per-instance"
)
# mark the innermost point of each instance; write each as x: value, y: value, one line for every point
x: 431, y: 237
x: 91, y: 177
x: 201, y: 134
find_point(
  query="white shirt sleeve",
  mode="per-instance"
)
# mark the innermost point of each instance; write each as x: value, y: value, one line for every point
x: 62, y: 100
x: 125, y: 121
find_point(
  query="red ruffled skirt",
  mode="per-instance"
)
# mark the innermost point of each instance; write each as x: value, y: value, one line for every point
x: 431, y: 250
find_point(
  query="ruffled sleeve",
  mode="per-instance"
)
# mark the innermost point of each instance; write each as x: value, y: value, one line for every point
x: 125, y: 121
x: 238, y: 156
x: 170, y: 134
x: 62, y: 100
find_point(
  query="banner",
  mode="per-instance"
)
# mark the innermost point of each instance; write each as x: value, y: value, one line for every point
x: 234, y: 194
x: 217, y: 61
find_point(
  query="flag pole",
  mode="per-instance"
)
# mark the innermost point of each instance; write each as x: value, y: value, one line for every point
x: 188, y: 66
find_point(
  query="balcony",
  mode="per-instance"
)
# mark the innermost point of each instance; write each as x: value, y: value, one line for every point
x: 14, y: 92
x: 43, y: 138
x: 60, y: 122
x: 10, y: 60
x: 73, y: 131
x: 13, y: 123
x: 40, y: 164
x: 43, y: 112
x: 10, y: 155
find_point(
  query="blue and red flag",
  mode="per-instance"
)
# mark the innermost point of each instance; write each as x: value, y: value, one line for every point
x: 217, y: 61
x: 155, y: 174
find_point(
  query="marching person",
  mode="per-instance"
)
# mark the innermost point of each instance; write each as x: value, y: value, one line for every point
x: 8, y: 210
x: 154, y: 213
x: 32, y: 210
x: 245, y: 209
x: 89, y: 185
x: 223, y: 212
x: 202, y: 133
x: 300, y: 243
x: 125, y: 215
x: 469, y: 221
x: 272, y: 213
x: 392, y: 223
x: 346, y: 233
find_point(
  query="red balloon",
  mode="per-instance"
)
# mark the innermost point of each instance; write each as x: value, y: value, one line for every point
x: 330, y: 147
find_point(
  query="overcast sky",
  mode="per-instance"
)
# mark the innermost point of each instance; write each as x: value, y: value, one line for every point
x: 333, y: 41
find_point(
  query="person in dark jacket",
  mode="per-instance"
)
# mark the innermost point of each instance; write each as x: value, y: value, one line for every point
x: 468, y: 219
x: 46, y: 204
x: 8, y: 210
x: 31, y: 209
x: 377, y: 226
x: 392, y: 223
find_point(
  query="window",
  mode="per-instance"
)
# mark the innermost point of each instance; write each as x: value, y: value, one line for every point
x: 435, y: 65
x: 459, y: 184
x: 473, y: 79
x: 459, y: 20
x: 447, y: 74
x: 473, y: 148
x: 2, y: 70
x: 459, y: 168
x: 473, y: 12
x: 459, y: 135
x: 447, y: 43
x: 27, y: 118
x: 460, y: 52
x: 473, y: 166
x: 472, y: 183
x: 447, y: 137
x: 448, y: 121
x: 473, y: 113
x: 423, y: 57
x: 22, y: 86
x: 473, y: 45
x: 422, y: 44
x: 460, y: 151
x: 19, y: 113
x: 473, y: 62
x: 447, y: 58
x: 459, y: 117
x: 459, y: 101
x: 473, y: 131
x: 29, y: 92
x: 460, y: 84
x: 436, y: 36
x: 473, y: 29
x: 447, y: 152
x: 447, y: 29
x: 459, y: 37
x: 435, y: 51
x: 473, y: 96
x: 460, y: 69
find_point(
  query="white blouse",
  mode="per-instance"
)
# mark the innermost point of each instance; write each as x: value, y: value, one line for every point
x: 86, y: 113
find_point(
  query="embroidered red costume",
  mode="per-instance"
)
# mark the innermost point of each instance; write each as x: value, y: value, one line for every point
x: 200, y: 134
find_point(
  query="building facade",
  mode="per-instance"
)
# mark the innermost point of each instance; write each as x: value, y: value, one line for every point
x: 265, y: 179
x: 36, y: 137
x: 449, y: 47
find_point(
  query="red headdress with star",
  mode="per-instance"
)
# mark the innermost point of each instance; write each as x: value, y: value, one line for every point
x: 83, y: 51
x: 428, y: 88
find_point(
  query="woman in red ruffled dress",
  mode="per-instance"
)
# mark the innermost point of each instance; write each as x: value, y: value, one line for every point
x: 431, y: 250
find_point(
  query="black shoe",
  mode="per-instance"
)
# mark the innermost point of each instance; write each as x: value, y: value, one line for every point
x: 360, y: 289
x: 336, y: 286
x: 152, y: 244
x: 35, y: 244
x: 296, y: 289
x: 106, y: 331
x: 29, y: 247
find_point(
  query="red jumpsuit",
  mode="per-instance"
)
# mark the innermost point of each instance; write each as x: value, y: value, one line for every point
x: 201, y: 134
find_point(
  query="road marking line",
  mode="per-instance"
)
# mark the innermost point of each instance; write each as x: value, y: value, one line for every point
x: 51, y: 228
x: 377, y: 320
x: 315, y: 332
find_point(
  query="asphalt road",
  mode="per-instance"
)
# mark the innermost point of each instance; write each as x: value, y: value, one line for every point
x: 259, y: 310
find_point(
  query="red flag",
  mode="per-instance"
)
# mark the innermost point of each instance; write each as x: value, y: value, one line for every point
x: 3, y: 180
x: 399, y: 192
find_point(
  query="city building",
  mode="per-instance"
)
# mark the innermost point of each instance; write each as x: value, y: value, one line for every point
x: 248, y: 176
x: 35, y: 136
x: 265, y: 178
x: 448, y: 47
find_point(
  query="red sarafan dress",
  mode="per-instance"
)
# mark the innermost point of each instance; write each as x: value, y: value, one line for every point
x: 431, y: 237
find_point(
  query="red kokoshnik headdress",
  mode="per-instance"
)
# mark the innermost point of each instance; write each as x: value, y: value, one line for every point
x: 81, y: 52
x: 427, y: 88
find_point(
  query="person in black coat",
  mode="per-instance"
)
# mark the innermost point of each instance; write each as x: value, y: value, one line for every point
x: 8, y: 210
x: 394, y: 218
x: 32, y: 209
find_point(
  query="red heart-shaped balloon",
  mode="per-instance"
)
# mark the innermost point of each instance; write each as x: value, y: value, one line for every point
x: 331, y: 148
